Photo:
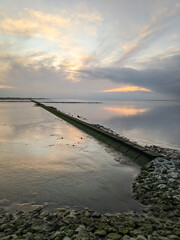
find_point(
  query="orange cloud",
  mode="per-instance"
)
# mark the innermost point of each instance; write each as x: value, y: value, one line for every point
x: 35, y: 27
x: 5, y: 86
x: 56, y: 27
x: 64, y: 29
x: 128, y: 89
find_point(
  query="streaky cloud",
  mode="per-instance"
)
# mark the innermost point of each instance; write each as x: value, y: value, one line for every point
x: 127, y: 89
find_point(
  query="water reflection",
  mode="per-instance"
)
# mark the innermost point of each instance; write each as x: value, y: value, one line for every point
x: 45, y: 160
x: 159, y: 126
x: 146, y: 122
x: 124, y: 111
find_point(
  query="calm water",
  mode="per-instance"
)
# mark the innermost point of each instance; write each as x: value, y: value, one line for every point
x: 44, y: 160
x: 146, y: 122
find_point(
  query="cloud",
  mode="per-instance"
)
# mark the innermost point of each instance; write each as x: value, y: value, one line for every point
x: 36, y: 23
x: 50, y: 74
x: 90, y: 17
x: 127, y: 89
x: 5, y: 86
x: 114, y: 49
x: 39, y: 78
x: 85, y: 54
x: 5, y: 67
x: 33, y: 23
x: 175, y: 36
x: 67, y: 30
x: 161, y: 74
x: 157, y: 26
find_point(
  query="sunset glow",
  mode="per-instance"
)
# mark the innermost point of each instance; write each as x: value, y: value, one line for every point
x: 83, y: 49
x: 5, y: 86
x: 128, y: 89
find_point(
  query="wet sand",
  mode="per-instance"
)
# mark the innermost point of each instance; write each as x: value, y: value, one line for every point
x: 44, y: 160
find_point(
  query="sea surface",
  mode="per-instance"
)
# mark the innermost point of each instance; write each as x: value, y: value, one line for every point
x: 46, y: 161
x: 145, y: 122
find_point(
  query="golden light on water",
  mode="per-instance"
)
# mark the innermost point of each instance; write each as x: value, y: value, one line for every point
x: 126, y: 111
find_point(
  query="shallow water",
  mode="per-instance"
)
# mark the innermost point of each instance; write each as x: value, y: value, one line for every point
x: 145, y: 122
x: 44, y: 160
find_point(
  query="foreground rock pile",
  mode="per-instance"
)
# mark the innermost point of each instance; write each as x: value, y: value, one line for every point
x: 157, y: 187
x: 84, y: 225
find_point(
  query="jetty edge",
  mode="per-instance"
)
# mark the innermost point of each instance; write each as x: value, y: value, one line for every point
x: 135, y: 152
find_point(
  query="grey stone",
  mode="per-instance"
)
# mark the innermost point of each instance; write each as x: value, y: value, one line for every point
x: 126, y: 237
x: 161, y: 186
x: 173, y: 237
x: 114, y: 236
x: 80, y: 228
x: 141, y: 237
x: 96, y: 215
x: 177, y: 197
x: 100, y: 233
x: 171, y: 180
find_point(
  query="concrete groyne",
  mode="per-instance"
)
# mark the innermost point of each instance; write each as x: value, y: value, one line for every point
x: 137, y: 153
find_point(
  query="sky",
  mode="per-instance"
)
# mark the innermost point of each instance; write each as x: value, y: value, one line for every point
x: 90, y: 49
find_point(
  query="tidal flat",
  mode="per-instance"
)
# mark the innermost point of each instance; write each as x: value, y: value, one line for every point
x: 59, y: 183
x: 44, y: 160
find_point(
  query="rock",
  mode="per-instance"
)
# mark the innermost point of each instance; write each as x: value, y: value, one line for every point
x: 80, y: 228
x: 110, y: 229
x: 114, y: 236
x: 126, y: 237
x: 87, y: 214
x: 83, y: 235
x: 96, y: 215
x: 100, y: 233
x: 141, y: 237
x: 135, y: 233
x: 36, y: 229
x: 173, y: 237
x: 58, y: 235
x: 123, y: 231
x: 29, y: 236
x: 20, y: 212
x: 177, y: 197
x: 161, y: 186
x: 174, y: 175
x: 171, y: 180
x: 38, y: 209
x: 62, y: 209
x: 102, y: 225
x: 164, y: 171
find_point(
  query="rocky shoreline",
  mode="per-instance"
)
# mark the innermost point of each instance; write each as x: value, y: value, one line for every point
x: 166, y: 152
x: 156, y: 187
